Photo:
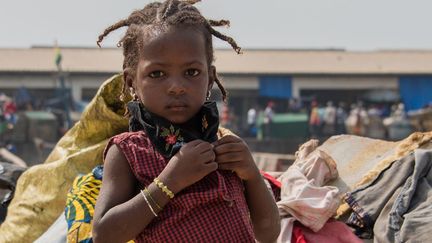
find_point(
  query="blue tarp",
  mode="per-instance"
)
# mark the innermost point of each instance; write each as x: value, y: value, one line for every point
x: 275, y: 86
x: 415, y: 91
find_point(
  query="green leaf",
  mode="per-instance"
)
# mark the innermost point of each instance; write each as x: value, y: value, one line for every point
x: 165, y: 132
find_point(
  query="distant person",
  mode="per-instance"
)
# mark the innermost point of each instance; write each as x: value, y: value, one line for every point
x: 268, y: 119
x: 375, y: 128
x: 252, y: 122
x: 225, y: 118
x: 341, y: 116
x: 314, y: 120
x: 9, y: 111
x: 398, y: 125
x: 329, y: 119
x: 357, y: 120
x: 176, y: 176
x: 294, y: 105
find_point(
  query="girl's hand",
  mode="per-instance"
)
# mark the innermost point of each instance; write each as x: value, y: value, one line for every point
x: 194, y: 161
x: 233, y: 154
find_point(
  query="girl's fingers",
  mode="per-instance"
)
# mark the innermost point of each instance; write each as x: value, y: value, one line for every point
x: 203, y: 147
x: 209, y: 167
x: 208, y: 156
x: 194, y: 143
x: 229, y: 147
x: 228, y: 166
x: 229, y: 157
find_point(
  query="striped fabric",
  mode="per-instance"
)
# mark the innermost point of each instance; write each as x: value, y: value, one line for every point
x: 80, y: 204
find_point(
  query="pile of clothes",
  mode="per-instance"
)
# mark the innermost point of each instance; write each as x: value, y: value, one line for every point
x: 391, y: 202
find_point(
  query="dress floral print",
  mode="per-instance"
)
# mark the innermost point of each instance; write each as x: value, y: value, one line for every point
x: 172, y: 137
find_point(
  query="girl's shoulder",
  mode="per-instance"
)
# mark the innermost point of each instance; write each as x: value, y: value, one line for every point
x: 129, y: 136
x: 128, y: 141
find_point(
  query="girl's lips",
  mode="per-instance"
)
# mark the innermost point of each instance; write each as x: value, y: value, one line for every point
x: 177, y: 108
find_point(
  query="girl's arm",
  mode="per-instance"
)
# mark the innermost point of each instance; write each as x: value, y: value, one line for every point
x: 263, y: 209
x: 233, y: 154
x: 121, y: 211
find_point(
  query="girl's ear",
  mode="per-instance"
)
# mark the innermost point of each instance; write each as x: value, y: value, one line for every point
x: 212, y: 77
x: 128, y: 77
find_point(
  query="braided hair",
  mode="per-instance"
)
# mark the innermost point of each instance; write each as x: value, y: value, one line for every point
x: 161, y: 15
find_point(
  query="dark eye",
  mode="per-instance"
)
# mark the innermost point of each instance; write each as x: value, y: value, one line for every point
x: 192, y: 72
x: 156, y: 74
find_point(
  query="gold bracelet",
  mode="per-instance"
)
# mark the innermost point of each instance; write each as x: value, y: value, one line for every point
x: 148, y: 204
x: 164, y: 188
x: 151, y: 198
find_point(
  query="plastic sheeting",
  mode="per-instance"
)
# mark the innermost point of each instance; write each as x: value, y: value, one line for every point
x: 40, y: 195
x: 275, y: 86
x: 415, y: 91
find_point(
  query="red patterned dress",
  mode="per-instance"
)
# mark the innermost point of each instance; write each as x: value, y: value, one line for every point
x: 213, y: 209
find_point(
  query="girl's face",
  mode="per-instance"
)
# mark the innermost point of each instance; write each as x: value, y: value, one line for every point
x: 173, y: 75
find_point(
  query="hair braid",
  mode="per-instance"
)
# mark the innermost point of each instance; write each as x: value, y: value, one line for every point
x: 113, y: 27
x: 228, y: 39
x: 221, y: 22
x: 221, y: 88
x: 169, y: 9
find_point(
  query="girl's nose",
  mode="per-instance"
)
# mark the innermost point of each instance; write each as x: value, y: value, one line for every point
x: 176, y: 86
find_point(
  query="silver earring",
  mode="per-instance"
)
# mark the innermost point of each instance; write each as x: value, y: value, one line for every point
x: 208, y: 95
x: 133, y: 94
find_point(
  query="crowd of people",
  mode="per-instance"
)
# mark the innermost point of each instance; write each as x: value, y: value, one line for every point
x: 374, y: 121
x: 388, y: 121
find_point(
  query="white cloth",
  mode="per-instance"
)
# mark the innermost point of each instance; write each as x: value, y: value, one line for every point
x: 287, y: 225
x: 303, y: 194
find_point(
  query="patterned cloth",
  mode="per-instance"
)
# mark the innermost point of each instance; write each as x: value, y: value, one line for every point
x: 80, y: 203
x: 167, y: 137
x: 213, y: 209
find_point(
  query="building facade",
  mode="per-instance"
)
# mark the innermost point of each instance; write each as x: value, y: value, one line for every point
x: 252, y: 78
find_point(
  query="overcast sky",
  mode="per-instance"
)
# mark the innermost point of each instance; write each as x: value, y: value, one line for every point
x: 347, y: 24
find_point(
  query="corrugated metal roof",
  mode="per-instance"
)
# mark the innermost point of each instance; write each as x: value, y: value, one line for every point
x: 109, y: 60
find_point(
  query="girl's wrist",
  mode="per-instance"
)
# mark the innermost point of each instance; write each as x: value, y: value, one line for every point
x: 254, y: 175
x: 172, y: 185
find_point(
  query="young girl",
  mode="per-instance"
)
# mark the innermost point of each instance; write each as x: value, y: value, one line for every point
x: 175, y: 177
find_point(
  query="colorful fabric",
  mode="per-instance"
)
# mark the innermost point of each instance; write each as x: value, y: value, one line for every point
x: 298, y: 237
x: 212, y: 209
x: 332, y: 232
x: 273, y: 185
x: 80, y: 204
x: 168, y: 138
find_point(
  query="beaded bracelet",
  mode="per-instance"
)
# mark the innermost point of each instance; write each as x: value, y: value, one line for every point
x: 151, y: 198
x: 148, y: 203
x: 164, y: 188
